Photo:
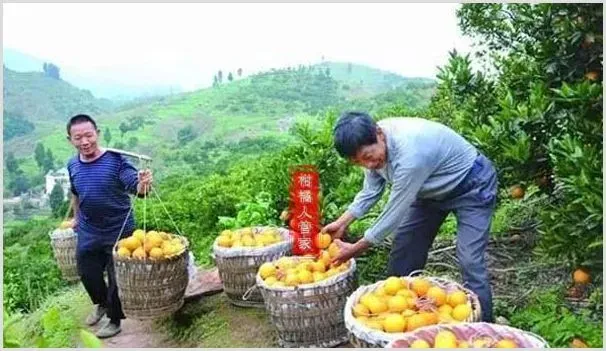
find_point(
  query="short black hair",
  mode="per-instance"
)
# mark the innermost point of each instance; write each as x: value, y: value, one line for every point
x: 80, y: 119
x: 352, y: 131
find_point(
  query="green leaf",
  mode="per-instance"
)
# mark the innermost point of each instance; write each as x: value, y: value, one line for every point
x: 89, y: 340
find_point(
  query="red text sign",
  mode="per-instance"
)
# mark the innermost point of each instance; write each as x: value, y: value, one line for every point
x: 304, y: 210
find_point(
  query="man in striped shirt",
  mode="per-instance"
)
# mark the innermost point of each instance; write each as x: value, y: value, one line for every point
x: 101, y: 182
x: 433, y: 171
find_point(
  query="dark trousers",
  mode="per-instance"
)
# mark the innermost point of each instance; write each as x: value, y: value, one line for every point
x: 92, y: 263
x: 473, y: 202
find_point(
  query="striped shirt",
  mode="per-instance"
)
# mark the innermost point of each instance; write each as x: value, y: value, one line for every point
x: 425, y: 160
x: 102, y: 187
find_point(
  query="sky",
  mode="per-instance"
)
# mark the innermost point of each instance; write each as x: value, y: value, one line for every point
x: 185, y: 44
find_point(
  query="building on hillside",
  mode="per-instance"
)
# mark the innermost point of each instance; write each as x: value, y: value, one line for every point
x: 62, y: 177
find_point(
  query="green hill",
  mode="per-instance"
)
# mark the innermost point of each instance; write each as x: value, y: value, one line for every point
x: 261, y: 106
x: 36, y: 105
x: 363, y: 81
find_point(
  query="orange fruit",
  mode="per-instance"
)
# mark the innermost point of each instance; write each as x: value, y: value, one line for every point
x: 323, y: 240
x: 420, y: 286
x: 517, y: 192
x: 581, y: 276
x: 437, y: 294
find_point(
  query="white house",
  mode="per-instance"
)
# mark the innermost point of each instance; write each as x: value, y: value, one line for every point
x: 61, y: 176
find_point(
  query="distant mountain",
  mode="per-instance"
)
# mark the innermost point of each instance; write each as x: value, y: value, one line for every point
x: 363, y: 81
x: 99, y: 83
x: 260, y: 105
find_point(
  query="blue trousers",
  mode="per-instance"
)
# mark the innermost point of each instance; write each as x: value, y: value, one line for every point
x: 473, y: 203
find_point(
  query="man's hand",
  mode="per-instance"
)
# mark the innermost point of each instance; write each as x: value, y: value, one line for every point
x: 336, y: 229
x: 347, y: 251
x: 145, y: 181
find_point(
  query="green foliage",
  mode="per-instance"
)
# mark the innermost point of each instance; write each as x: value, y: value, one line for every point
x: 30, y: 270
x: 38, y: 97
x: 259, y: 212
x: 56, y: 197
x: 15, y: 126
x: 536, y: 113
x: 547, y: 315
x: 186, y: 134
x: 9, y: 339
x: 56, y: 324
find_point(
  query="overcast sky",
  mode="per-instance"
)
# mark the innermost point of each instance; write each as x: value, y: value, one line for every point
x: 183, y: 44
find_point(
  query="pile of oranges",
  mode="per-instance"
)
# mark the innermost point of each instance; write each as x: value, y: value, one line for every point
x: 291, y: 272
x: 446, y: 339
x: 404, y: 304
x: 246, y: 237
x: 152, y: 244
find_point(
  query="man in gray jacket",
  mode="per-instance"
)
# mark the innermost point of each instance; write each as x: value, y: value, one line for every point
x: 433, y: 171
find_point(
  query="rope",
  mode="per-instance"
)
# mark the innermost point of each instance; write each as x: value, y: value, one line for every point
x: 69, y: 209
x: 166, y: 210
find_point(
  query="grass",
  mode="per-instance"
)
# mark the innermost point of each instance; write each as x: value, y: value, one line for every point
x: 215, y: 322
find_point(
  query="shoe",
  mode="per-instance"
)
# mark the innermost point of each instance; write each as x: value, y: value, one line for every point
x: 108, y: 330
x: 95, y: 316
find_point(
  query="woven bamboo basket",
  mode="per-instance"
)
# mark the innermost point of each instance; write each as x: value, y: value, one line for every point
x: 150, y: 289
x: 310, y: 315
x: 362, y: 336
x: 64, y: 242
x: 470, y: 332
x: 238, y: 267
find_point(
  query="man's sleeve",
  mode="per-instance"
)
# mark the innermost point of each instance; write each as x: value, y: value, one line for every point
x: 373, y: 187
x: 128, y: 176
x: 71, y: 181
x: 407, y: 183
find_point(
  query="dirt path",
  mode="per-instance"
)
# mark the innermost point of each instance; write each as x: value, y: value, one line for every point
x: 207, y: 319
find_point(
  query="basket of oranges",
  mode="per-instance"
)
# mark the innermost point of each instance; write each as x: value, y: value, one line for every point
x: 238, y: 255
x: 468, y: 335
x: 305, y: 297
x: 151, y: 273
x: 64, y: 241
x: 376, y: 314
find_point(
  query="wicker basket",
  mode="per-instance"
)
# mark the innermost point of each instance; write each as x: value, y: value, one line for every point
x: 471, y: 331
x: 363, y: 336
x: 150, y: 289
x: 310, y: 315
x: 64, y: 242
x: 238, y: 267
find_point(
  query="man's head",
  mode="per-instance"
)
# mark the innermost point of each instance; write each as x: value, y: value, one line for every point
x: 82, y: 132
x: 358, y: 138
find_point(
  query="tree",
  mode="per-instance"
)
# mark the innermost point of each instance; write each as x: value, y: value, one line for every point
x: 40, y: 155
x: 349, y: 68
x: 124, y: 128
x: 239, y: 72
x: 220, y: 77
x: 51, y: 70
x: 107, y: 136
x: 11, y: 163
x: 537, y: 113
x: 186, y: 134
x: 230, y: 77
x: 56, y: 197
x: 49, y: 161
x: 215, y: 81
x: 132, y: 142
x: 19, y: 184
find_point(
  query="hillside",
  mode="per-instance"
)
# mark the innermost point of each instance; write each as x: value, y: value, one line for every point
x: 36, y: 105
x: 98, y: 83
x: 364, y: 81
x: 180, y: 131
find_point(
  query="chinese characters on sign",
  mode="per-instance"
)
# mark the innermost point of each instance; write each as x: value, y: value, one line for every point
x: 304, y: 209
